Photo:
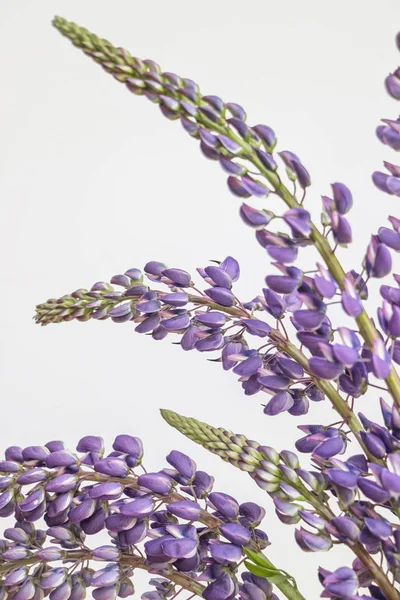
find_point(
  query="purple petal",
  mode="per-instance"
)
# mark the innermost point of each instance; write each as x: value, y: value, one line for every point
x: 90, y: 443
x: 372, y: 491
x: 290, y: 368
x: 229, y: 144
x: 378, y: 527
x: 175, y: 299
x: 221, y: 296
x: 156, y: 482
x: 225, y: 504
x: 390, y: 238
x: 282, y: 284
x: 237, y: 188
x: 324, y: 368
x: 249, y: 366
x: 182, y: 463
x: 140, y: 508
x: 342, y: 197
x: 231, y: 266
x: 210, y: 343
x: 343, y: 478
x: 219, y: 276
x: 345, y: 355
x: 253, y: 217
x: 235, y: 533
x: 189, y: 338
x: 256, y: 327
x: 148, y: 324
x: 392, y: 84
x: 309, y: 319
x: 330, y: 447
x: 281, y: 402
x: 380, y: 359
x: 112, y: 466
x: 185, y: 509
x: 380, y: 181
x: 275, y: 383
x: 225, y: 553
x: 253, y: 187
x: 213, y: 319
x: 177, y: 323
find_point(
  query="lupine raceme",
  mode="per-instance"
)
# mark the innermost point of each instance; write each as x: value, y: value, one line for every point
x: 285, y: 343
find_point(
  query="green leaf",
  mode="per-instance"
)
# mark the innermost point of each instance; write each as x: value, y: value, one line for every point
x: 277, y: 579
x: 259, y: 559
x: 257, y: 570
x: 273, y: 575
x: 261, y: 571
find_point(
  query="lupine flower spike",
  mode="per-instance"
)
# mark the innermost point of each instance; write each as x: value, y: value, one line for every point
x: 169, y: 522
x: 285, y: 345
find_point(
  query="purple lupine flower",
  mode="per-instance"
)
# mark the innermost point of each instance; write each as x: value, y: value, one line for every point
x: 342, y: 197
x: 311, y: 542
x: 341, y: 228
x: 113, y: 466
x: 342, y: 583
x: 324, y: 282
x: 280, y: 402
x: 218, y: 276
x: 380, y: 180
x: 325, y: 369
x: 378, y: 260
x: 185, y: 465
x: 221, y: 296
x: 380, y: 359
x: 224, y: 503
x: 343, y: 528
x: 350, y: 300
x: 298, y: 220
x: 295, y: 168
x: 390, y: 238
x: 253, y: 217
x: 222, y: 588
x: 156, y: 482
x: 284, y: 284
x: 392, y: 84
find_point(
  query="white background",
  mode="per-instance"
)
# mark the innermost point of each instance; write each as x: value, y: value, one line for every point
x: 95, y: 181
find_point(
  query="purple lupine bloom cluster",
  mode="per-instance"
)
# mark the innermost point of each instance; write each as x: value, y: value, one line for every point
x: 215, y: 320
x: 350, y: 501
x: 168, y: 522
x: 305, y: 354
